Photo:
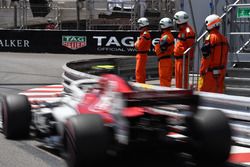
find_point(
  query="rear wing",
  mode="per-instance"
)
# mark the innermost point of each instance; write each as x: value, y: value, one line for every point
x: 163, y: 97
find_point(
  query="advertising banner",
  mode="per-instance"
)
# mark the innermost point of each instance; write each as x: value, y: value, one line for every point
x: 74, y: 42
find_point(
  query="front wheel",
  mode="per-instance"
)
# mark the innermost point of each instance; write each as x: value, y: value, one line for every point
x: 16, y: 115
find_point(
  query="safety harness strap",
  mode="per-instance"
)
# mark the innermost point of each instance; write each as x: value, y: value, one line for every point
x: 164, y: 57
x: 142, y: 52
x: 210, y: 69
x: 178, y: 57
x: 184, y: 39
x: 146, y: 38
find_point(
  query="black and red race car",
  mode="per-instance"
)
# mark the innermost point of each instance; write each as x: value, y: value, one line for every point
x: 107, y: 116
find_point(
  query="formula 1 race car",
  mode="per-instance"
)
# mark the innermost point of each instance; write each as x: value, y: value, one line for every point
x: 99, y: 117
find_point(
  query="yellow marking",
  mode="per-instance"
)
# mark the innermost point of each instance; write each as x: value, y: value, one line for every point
x: 146, y: 86
x: 103, y: 67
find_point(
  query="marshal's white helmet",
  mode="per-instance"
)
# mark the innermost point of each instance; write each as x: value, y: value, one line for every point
x: 212, y: 21
x: 165, y: 23
x: 181, y: 17
x: 143, y: 22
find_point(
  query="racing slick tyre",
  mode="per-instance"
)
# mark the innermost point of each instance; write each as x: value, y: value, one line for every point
x: 211, y: 136
x: 86, y: 140
x: 16, y: 114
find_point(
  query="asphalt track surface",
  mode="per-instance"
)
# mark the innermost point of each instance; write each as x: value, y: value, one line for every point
x: 22, y: 71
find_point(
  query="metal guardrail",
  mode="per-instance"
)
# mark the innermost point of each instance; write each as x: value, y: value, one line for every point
x: 237, y: 108
x: 125, y: 67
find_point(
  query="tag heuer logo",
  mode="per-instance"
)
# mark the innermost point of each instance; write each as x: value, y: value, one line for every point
x: 74, y: 42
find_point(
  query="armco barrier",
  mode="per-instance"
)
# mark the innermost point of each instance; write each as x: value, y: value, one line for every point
x: 125, y: 67
x: 235, y: 107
